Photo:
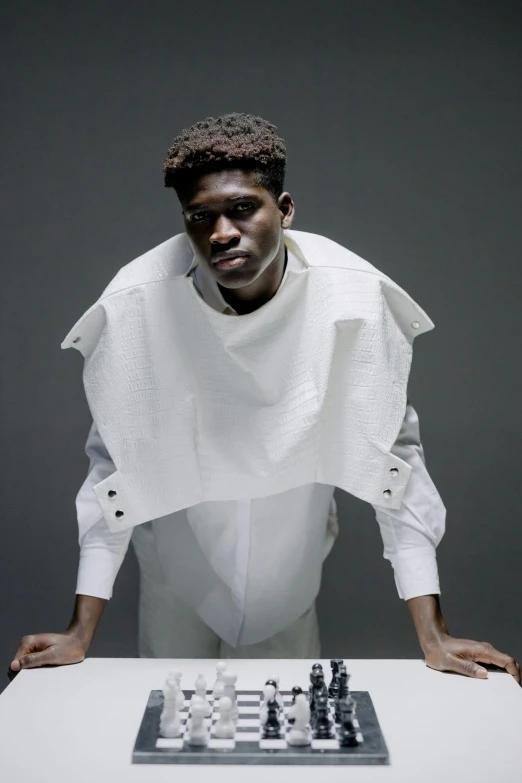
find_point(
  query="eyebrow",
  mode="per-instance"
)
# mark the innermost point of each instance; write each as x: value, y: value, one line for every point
x: 194, y: 207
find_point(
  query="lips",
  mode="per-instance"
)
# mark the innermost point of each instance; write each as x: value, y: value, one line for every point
x: 231, y: 263
x: 229, y: 255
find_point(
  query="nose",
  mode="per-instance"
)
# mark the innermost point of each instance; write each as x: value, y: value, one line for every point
x: 224, y: 231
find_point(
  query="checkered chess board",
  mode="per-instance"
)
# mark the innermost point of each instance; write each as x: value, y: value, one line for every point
x: 248, y: 745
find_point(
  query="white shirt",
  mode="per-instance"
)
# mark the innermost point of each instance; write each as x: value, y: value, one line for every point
x: 252, y: 567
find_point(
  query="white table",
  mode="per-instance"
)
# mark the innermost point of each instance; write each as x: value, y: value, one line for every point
x: 78, y: 724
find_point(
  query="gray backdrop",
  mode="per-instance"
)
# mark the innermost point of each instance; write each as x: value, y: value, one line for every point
x: 402, y: 121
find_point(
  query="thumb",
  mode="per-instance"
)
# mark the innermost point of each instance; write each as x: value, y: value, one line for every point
x: 32, y: 660
x: 469, y: 668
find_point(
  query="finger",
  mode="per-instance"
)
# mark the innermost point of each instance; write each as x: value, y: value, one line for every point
x: 466, y: 667
x: 32, y: 660
x: 31, y: 644
x: 488, y: 654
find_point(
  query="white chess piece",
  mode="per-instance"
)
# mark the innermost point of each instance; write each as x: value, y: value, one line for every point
x: 224, y: 727
x: 268, y: 693
x: 299, y: 734
x: 175, y: 675
x: 201, y: 692
x: 197, y: 732
x: 219, y: 687
x: 278, y: 697
x: 170, y: 720
x: 229, y: 681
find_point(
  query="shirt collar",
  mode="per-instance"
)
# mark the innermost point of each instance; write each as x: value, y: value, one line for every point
x: 209, y: 290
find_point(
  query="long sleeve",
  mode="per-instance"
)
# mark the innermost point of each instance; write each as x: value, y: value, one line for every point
x: 101, y: 550
x: 411, y: 534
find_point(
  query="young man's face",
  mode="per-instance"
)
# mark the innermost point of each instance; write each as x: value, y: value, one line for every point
x: 227, y: 213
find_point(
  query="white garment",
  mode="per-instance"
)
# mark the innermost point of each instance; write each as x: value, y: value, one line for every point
x: 196, y: 406
x: 251, y: 567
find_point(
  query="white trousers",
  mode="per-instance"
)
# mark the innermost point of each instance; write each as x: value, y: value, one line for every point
x: 168, y: 628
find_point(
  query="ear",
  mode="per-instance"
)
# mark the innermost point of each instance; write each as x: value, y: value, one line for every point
x: 286, y: 208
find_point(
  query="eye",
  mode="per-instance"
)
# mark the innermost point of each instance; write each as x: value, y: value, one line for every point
x: 244, y: 207
x: 198, y: 216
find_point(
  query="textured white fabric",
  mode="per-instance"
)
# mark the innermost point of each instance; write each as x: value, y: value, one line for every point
x: 168, y: 570
x: 309, y: 388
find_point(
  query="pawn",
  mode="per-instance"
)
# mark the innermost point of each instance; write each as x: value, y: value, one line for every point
x: 197, y: 732
x: 296, y: 691
x: 275, y: 682
x: 219, y: 687
x: 225, y: 727
x: 299, y: 734
x: 201, y: 692
x: 272, y: 727
x: 269, y: 692
x: 229, y: 682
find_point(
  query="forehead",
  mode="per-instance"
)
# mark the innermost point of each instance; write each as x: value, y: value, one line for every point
x: 218, y: 186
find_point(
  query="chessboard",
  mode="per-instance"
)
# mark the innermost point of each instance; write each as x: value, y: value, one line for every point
x: 248, y: 746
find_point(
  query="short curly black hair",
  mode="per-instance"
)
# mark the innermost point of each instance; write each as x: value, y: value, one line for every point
x: 235, y: 140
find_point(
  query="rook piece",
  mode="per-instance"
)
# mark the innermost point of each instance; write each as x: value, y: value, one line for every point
x: 347, y: 732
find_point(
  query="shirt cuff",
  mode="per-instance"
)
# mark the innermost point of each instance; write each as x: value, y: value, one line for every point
x: 97, y: 571
x: 416, y: 573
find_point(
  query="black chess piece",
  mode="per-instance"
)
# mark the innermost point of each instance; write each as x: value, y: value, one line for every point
x: 274, y: 683
x: 272, y: 727
x: 347, y: 733
x: 344, y: 692
x: 333, y: 688
x: 322, y: 725
x: 318, y: 689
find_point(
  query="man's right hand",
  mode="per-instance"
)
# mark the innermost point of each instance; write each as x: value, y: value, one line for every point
x: 47, y: 649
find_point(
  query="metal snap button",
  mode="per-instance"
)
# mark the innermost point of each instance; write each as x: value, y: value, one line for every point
x: 119, y: 513
x: 387, y: 493
x: 77, y: 339
x: 112, y: 493
x: 394, y: 472
x: 415, y: 324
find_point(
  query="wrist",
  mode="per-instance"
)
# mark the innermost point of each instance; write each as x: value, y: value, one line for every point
x: 80, y: 633
x: 428, y: 620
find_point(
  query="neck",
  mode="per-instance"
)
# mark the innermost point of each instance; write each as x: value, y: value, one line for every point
x: 251, y: 297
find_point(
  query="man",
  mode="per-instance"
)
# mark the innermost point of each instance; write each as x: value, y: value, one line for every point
x: 236, y: 374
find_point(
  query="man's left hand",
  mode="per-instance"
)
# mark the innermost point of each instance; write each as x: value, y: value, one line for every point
x: 448, y: 654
